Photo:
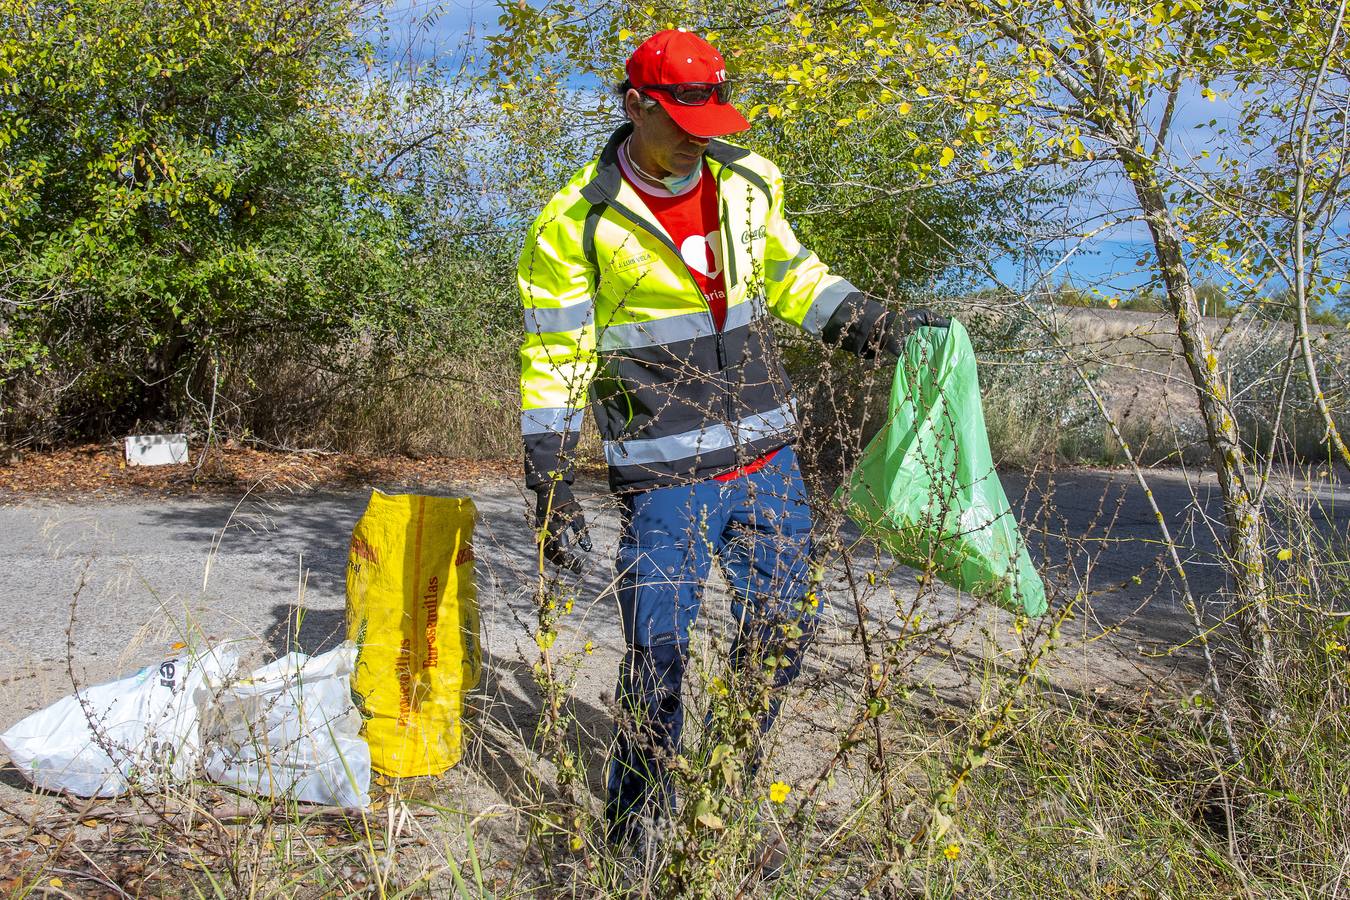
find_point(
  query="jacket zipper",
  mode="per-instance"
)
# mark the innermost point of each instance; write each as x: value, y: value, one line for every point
x: 641, y: 223
x: 727, y: 250
x: 729, y: 280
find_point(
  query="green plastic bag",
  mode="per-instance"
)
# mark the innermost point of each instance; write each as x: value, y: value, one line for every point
x: 926, y: 486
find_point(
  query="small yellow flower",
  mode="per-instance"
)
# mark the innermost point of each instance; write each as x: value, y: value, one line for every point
x: 576, y: 845
x: 951, y: 851
x: 1284, y: 554
x: 55, y: 882
x: 778, y: 791
x: 589, y: 648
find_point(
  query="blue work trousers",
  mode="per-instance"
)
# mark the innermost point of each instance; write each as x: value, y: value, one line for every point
x: 758, y: 528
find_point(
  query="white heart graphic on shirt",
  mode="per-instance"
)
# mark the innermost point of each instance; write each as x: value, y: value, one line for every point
x: 703, y: 254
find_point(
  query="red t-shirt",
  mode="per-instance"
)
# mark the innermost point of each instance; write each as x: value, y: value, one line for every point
x: 692, y: 221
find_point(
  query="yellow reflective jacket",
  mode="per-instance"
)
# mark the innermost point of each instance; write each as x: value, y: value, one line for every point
x: 613, y: 317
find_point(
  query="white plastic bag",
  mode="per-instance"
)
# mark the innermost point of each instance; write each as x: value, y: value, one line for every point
x: 140, y: 730
x: 290, y: 729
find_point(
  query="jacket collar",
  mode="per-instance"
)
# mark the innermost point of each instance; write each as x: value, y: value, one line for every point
x: 604, y: 185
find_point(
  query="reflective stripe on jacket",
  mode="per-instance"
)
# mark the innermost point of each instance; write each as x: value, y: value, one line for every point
x: 613, y: 317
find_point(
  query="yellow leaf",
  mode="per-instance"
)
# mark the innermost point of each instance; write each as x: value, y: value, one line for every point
x: 946, y: 157
x: 1284, y: 554
x: 625, y: 34
x: 904, y: 108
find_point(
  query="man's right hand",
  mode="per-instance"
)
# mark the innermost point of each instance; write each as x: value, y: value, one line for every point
x: 561, y: 526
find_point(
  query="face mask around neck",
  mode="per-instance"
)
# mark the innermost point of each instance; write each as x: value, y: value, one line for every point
x: 676, y: 184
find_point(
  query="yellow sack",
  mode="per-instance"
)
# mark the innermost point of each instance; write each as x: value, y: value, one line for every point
x: 412, y: 610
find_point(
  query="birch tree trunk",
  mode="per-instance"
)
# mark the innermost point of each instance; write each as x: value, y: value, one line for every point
x: 1242, y: 514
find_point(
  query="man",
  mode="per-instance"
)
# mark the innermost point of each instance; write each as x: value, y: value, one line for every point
x: 648, y: 282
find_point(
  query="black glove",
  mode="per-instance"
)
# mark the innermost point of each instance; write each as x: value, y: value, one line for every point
x: 561, y: 526
x: 895, y: 327
x: 866, y: 328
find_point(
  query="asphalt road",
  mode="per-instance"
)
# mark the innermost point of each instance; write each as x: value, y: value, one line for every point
x: 94, y: 591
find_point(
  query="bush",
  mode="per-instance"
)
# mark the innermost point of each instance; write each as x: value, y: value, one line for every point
x: 180, y: 182
x: 1256, y: 364
x: 1034, y: 403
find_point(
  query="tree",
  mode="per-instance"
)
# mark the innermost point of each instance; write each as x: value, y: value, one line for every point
x: 840, y: 192
x: 890, y: 246
x: 176, y: 181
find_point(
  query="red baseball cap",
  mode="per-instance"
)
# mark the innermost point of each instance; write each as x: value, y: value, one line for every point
x: 677, y: 56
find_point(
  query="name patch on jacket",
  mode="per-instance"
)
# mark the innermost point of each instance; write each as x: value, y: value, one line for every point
x: 636, y: 260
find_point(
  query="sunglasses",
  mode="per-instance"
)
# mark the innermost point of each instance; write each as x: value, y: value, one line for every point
x: 693, y: 93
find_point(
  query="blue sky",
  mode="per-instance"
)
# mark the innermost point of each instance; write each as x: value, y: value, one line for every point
x: 435, y: 27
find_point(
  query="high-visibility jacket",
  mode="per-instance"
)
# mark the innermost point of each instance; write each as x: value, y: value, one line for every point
x: 614, y: 318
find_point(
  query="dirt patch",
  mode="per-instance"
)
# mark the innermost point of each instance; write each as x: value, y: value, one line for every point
x: 99, y: 471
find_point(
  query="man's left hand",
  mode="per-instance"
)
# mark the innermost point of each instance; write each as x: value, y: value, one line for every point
x: 897, y: 326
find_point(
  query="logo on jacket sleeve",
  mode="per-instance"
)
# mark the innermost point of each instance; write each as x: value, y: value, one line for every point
x: 753, y: 234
